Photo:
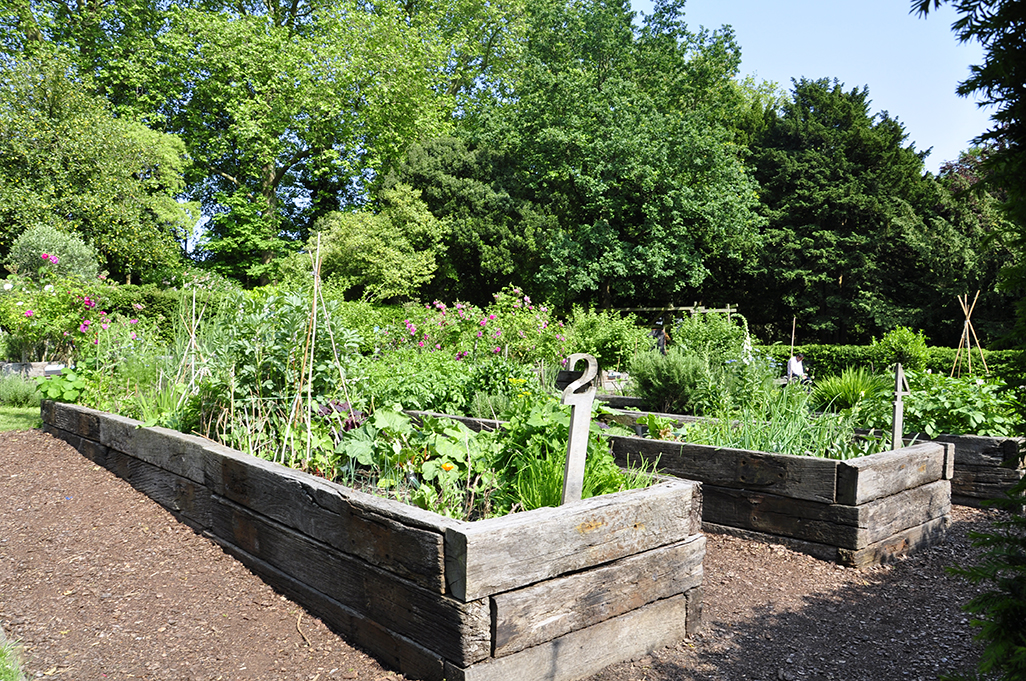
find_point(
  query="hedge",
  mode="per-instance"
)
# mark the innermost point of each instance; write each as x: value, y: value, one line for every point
x: 831, y: 360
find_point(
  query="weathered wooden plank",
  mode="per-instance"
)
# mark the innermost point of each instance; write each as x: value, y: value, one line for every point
x: 887, y: 473
x: 501, y: 554
x: 630, y: 418
x: 799, y: 519
x: 168, y: 449
x: 391, y: 649
x: 977, y: 450
x: 320, y: 509
x: 970, y: 476
x: 183, y: 497
x: 584, y: 652
x: 912, y: 508
x: 851, y: 527
x: 542, y: 612
x: 93, y: 451
x: 72, y: 418
x: 799, y: 477
x: 455, y: 630
x: 897, y: 545
x: 621, y: 401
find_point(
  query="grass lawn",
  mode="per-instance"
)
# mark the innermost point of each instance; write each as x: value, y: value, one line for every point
x: 10, y: 668
x: 19, y: 418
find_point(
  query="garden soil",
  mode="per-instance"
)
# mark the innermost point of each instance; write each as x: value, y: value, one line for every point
x: 99, y: 582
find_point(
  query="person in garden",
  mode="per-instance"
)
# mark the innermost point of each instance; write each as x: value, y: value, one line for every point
x: 796, y: 368
x: 661, y: 337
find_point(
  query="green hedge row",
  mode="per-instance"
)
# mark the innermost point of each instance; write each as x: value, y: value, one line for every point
x: 831, y: 360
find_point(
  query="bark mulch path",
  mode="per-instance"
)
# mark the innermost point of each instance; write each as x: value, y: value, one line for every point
x: 99, y: 582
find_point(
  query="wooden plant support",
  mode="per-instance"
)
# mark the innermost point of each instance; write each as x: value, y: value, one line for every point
x: 580, y: 402
x: 965, y: 341
x: 900, y: 390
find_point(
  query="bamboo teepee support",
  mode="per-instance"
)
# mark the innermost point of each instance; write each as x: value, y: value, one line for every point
x: 966, y: 341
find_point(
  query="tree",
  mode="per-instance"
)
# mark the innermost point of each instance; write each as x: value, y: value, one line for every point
x: 999, y: 26
x: 608, y: 138
x: 844, y: 199
x: 68, y: 162
x: 493, y: 239
x: 258, y: 103
x: 382, y: 256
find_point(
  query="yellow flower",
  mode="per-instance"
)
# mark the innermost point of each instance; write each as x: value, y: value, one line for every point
x: 447, y: 466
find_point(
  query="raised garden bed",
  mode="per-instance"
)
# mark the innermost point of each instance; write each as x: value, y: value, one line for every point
x: 555, y: 593
x: 859, y: 512
x: 985, y: 467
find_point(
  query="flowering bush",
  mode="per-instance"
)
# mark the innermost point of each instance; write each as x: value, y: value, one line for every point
x: 41, y: 318
x: 44, y: 250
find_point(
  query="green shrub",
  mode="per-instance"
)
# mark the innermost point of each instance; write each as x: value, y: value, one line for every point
x: 44, y: 249
x: 611, y: 337
x: 712, y: 335
x: 668, y: 383
x: 901, y: 345
x: 17, y: 391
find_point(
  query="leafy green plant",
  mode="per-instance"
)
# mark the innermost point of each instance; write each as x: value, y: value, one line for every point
x: 853, y: 386
x: 64, y: 387
x: 1000, y: 612
x: 901, y: 345
x: 956, y: 406
x: 612, y: 338
x: 713, y: 335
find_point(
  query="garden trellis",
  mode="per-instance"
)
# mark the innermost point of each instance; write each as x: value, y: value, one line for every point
x: 965, y: 341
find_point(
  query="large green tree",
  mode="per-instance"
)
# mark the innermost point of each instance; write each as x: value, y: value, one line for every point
x: 846, y: 199
x: 608, y: 146
x: 1000, y: 82
x: 67, y: 161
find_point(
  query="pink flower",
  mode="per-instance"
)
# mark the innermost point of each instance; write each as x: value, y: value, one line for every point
x: 132, y: 336
x: 420, y: 344
x: 104, y: 326
x: 54, y: 260
x: 491, y: 316
x: 46, y: 256
x: 133, y: 321
x: 29, y: 313
x: 497, y: 350
x: 484, y: 322
x: 478, y: 334
x: 137, y: 306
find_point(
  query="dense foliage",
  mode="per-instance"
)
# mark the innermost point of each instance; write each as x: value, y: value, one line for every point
x: 999, y: 611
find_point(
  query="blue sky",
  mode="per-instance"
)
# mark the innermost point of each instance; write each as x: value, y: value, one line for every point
x: 911, y: 65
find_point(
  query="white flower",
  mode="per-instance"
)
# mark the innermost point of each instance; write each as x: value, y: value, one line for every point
x: 8, y: 286
x: 19, y: 303
x: 48, y: 287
